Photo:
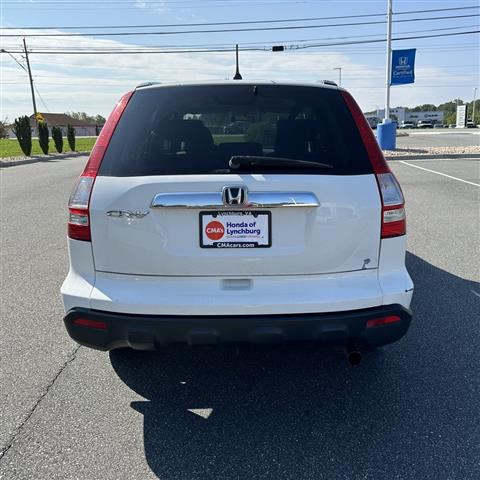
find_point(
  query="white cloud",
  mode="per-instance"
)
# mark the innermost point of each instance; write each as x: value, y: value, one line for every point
x: 93, y: 83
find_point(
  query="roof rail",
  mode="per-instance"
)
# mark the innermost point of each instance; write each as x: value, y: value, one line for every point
x: 146, y: 84
x: 330, y: 82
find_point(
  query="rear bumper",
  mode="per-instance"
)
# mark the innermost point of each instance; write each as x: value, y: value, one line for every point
x: 145, y: 332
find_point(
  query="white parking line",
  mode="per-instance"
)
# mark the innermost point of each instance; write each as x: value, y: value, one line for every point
x: 451, y: 159
x: 475, y: 293
x: 439, y: 173
x: 444, y: 133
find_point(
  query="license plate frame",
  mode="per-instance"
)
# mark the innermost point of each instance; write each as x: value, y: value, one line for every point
x: 238, y: 240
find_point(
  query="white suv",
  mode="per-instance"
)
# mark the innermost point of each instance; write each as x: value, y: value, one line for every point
x: 292, y: 230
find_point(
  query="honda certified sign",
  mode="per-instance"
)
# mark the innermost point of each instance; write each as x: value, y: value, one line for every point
x: 403, y: 66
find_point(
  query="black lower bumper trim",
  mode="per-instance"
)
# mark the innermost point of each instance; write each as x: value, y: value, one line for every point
x: 146, y: 332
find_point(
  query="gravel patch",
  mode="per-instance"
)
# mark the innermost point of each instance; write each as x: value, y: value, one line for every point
x: 401, y: 152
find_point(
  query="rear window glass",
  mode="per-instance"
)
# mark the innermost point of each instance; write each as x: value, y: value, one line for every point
x: 186, y: 130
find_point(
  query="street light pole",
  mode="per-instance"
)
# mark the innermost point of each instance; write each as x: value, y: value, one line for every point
x: 388, y: 70
x: 339, y: 75
x: 387, y: 130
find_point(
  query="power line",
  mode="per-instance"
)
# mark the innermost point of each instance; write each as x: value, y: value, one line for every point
x: 264, y: 44
x: 252, y: 49
x: 133, y: 82
x: 231, y: 30
x: 79, y: 6
x: 41, y: 98
x: 245, y: 22
x: 20, y: 64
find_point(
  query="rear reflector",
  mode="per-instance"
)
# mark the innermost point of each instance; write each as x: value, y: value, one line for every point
x: 377, y: 322
x: 86, y: 322
x: 78, y: 205
x: 393, y: 212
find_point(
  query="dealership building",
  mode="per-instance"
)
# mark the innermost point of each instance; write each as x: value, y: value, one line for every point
x: 403, y: 115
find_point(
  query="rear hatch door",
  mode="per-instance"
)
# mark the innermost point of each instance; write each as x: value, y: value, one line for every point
x: 167, y: 202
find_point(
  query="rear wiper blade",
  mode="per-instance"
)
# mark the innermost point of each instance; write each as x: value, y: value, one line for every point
x: 238, y: 161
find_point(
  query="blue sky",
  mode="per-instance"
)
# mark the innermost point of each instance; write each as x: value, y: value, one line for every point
x: 447, y: 67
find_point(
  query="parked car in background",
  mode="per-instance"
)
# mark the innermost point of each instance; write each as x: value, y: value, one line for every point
x: 298, y: 235
x: 407, y: 125
x: 452, y: 125
x: 422, y: 124
x: 236, y: 128
x: 471, y: 125
x: 439, y: 125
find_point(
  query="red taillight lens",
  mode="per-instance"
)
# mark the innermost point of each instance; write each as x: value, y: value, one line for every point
x: 79, y: 224
x: 86, y: 322
x: 78, y: 205
x: 377, y: 322
x: 369, y: 141
x: 393, y: 203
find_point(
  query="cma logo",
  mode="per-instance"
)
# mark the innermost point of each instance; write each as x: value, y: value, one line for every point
x: 403, y: 61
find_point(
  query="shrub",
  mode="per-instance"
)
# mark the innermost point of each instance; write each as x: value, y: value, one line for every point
x: 57, y: 138
x: 43, y: 136
x: 23, y: 133
x: 71, y: 137
x: 262, y: 132
x: 4, y: 128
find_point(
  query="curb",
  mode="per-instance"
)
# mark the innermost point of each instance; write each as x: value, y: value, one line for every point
x: 433, y: 157
x: 41, y: 158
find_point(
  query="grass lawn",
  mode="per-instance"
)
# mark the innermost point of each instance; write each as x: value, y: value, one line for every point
x: 219, y: 138
x: 9, y: 147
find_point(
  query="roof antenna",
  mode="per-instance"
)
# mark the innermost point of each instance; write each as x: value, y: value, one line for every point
x: 237, y: 73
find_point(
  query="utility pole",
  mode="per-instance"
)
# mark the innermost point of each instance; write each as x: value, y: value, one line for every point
x: 339, y: 75
x: 31, y: 80
x: 388, y: 72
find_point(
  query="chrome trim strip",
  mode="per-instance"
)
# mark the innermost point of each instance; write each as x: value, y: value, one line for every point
x: 255, y: 200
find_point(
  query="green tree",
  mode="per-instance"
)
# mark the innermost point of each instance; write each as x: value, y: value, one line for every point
x: 477, y: 111
x: 43, y: 136
x: 99, y: 120
x: 427, y: 107
x: 71, y: 137
x: 57, y: 138
x: 94, y: 119
x: 79, y: 116
x: 23, y: 133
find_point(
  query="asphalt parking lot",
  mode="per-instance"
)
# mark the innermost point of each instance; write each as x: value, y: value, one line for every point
x: 409, y: 411
x: 439, y: 138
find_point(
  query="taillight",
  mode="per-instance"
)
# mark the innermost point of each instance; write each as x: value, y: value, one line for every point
x: 79, y: 202
x: 393, y: 210
x: 393, y: 203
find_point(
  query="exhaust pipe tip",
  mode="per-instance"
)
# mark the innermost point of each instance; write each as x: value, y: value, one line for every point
x: 354, y: 356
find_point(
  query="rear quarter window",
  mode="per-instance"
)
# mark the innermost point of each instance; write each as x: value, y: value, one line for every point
x: 186, y: 130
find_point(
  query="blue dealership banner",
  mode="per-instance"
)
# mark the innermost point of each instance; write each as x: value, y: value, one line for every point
x: 403, y: 66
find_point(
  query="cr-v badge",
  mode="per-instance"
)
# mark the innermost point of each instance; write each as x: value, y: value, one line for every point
x: 126, y: 214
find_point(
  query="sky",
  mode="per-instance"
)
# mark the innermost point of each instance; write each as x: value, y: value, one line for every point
x: 446, y: 67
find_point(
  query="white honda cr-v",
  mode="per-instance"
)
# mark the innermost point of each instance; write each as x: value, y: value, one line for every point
x: 236, y: 212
